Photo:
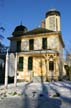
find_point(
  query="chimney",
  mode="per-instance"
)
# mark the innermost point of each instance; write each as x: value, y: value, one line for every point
x: 43, y: 24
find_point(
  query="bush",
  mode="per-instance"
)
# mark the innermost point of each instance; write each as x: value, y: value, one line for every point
x: 56, y: 95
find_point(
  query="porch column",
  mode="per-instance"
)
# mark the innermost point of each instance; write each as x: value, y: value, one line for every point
x: 46, y: 66
x: 15, y: 77
x: 6, y: 70
x: 56, y: 70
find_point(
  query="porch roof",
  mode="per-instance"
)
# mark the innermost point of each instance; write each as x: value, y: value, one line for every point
x: 38, y: 52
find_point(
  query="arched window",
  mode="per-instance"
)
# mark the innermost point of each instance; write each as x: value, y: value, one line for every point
x: 30, y: 63
x: 51, y: 65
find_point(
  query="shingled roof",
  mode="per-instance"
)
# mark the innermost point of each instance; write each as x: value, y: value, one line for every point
x: 38, y: 31
x: 31, y: 32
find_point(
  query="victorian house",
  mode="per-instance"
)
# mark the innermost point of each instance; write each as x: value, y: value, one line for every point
x: 39, y: 51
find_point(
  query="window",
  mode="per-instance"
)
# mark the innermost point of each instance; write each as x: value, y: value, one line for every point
x: 31, y: 44
x: 51, y: 65
x: 18, y: 46
x: 44, y: 43
x: 30, y: 63
x: 20, y: 64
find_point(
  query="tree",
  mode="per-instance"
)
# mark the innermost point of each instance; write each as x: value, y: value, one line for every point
x: 2, y: 29
x: 68, y: 61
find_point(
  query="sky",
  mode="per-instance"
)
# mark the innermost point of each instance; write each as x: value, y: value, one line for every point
x: 31, y: 13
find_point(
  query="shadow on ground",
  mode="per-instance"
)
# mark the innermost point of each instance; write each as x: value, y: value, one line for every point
x: 42, y: 100
x: 32, y: 97
x: 66, y: 86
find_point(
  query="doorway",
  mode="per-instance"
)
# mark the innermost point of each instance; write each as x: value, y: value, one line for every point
x: 51, y: 69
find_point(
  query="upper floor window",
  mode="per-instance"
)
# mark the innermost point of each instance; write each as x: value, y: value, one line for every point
x: 18, y: 46
x: 30, y: 63
x: 20, y: 64
x: 31, y: 44
x: 44, y: 43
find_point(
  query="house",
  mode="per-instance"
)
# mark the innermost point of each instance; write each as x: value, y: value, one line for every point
x: 39, y: 51
x: 68, y: 59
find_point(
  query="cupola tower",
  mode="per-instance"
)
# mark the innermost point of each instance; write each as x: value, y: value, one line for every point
x: 52, y: 20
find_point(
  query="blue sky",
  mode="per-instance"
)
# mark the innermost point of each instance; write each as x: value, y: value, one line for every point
x: 31, y: 13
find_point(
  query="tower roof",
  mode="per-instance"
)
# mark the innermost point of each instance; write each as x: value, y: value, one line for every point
x: 52, y: 12
x: 19, y: 30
